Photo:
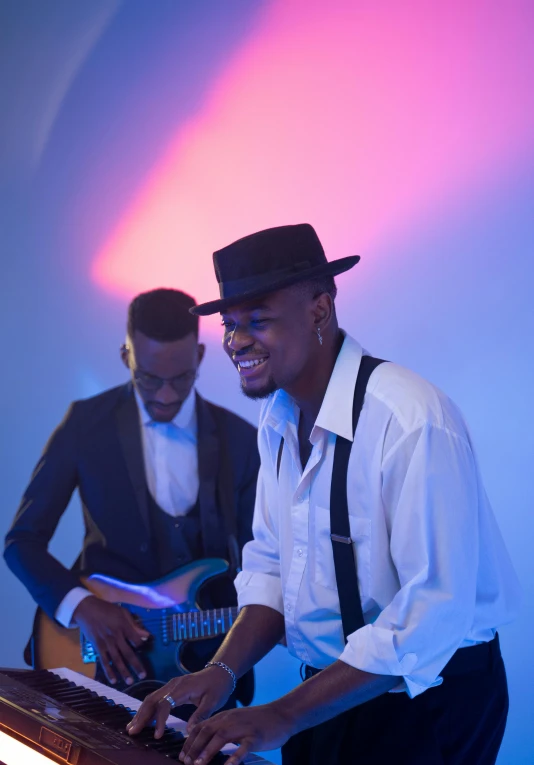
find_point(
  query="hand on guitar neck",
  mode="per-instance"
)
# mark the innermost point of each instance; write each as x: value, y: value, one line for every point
x: 114, y: 633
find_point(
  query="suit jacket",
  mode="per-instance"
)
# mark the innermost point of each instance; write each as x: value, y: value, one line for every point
x: 97, y: 449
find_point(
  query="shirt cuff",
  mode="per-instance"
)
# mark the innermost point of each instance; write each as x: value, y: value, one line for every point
x: 69, y: 604
x: 372, y: 649
x: 259, y: 590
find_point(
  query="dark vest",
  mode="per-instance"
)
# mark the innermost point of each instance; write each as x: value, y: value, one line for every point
x: 175, y: 541
x: 178, y: 541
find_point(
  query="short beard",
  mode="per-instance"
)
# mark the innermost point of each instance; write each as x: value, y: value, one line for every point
x: 256, y: 395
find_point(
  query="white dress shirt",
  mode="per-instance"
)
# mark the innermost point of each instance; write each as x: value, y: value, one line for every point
x: 171, y: 457
x: 433, y: 571
x: 171, y: 466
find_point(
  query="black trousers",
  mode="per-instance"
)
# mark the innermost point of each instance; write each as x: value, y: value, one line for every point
x: 460, y: 722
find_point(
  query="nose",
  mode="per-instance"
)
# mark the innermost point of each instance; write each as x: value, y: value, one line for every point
x: 166, y: 394
x: 238, y: 339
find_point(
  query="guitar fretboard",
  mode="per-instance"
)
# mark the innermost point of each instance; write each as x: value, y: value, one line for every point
x: 198, y: 624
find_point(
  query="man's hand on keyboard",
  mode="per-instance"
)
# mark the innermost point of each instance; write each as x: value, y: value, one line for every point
x: 208, y: 690
x: 114, y: 634
x: 252, y: 729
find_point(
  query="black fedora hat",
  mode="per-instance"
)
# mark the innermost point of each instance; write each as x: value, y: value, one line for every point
x: 268, y: 261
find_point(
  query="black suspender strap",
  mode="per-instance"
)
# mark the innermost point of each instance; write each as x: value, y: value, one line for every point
x: 279, y: 457
x: 344, y: 558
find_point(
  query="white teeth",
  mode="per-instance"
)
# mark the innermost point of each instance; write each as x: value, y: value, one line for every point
x: 250, y: 364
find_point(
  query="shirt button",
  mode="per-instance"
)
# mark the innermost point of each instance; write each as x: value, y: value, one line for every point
x: 301, y: 553
x: 288, y: 609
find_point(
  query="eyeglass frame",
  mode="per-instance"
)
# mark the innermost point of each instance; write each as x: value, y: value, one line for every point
x: 179, y: 383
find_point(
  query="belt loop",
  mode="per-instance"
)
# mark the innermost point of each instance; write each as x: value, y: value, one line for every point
x: 495, y: 650
x: 306, y: 671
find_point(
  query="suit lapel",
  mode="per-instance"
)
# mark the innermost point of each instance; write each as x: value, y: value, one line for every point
x: 208, y: 465
x: 129, y: 431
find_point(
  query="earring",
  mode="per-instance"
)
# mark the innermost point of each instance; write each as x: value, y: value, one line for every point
x: 319, y: 335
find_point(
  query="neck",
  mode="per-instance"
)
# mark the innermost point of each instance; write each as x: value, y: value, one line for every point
x: 310, y: 393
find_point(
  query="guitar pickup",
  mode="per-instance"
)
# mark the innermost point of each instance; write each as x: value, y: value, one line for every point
x: 89, y: 655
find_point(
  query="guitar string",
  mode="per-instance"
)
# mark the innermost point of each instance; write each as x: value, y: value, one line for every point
x: 213, y: 632
x: 210, y: 618
x: 185, y: 628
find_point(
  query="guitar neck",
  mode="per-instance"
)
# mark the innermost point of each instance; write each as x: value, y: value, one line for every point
x: 195, y: 625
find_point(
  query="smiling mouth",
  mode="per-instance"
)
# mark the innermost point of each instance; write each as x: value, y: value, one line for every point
x: 248, y: 364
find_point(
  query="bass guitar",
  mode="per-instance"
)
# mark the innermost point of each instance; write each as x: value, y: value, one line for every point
x: 167, y: 608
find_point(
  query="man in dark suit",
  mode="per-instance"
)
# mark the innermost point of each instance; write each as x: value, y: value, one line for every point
x: 164, y: 477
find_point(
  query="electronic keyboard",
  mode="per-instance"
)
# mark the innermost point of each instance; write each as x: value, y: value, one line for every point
x: 71, y: 719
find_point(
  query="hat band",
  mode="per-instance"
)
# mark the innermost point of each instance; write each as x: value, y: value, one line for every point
x: 259, y: 281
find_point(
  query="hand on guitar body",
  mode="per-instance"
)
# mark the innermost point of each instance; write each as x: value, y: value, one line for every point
x: 209, y: 690
x: 114, y: 634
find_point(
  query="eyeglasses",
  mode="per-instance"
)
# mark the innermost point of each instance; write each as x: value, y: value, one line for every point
x: 152, y: 383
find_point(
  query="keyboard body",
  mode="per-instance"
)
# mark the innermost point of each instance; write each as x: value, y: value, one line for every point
x: 72, y: 719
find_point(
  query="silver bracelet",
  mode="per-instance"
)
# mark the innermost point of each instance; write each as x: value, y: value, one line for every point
x: 224, y: 666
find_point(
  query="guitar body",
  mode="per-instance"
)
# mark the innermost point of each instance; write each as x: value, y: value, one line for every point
x: 167, y: 608
x: 54, y: 646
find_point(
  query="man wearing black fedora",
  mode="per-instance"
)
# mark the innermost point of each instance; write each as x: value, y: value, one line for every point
x: 375, y: 554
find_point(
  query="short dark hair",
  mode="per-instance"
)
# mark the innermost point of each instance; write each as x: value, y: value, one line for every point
x: 163, y: 315
x: 315, y: 287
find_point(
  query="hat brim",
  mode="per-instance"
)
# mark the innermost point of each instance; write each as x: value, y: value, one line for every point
x: 332, y: 268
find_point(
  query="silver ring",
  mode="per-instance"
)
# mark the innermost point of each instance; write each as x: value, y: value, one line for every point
x: 171, y: 701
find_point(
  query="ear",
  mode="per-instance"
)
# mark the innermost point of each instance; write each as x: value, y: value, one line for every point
x: 125, y: 355
x: 201, y: 349
x: 323, y: 311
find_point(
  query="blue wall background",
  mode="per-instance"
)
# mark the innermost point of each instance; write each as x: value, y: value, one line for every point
x: 86, y: 95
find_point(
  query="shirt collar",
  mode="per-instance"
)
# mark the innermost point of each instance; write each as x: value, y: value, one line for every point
x: 335, y: 414
x: 280, y: 411
x: 185, y: 418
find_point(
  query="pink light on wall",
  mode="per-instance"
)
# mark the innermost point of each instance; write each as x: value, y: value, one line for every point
x: 362, y: 118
